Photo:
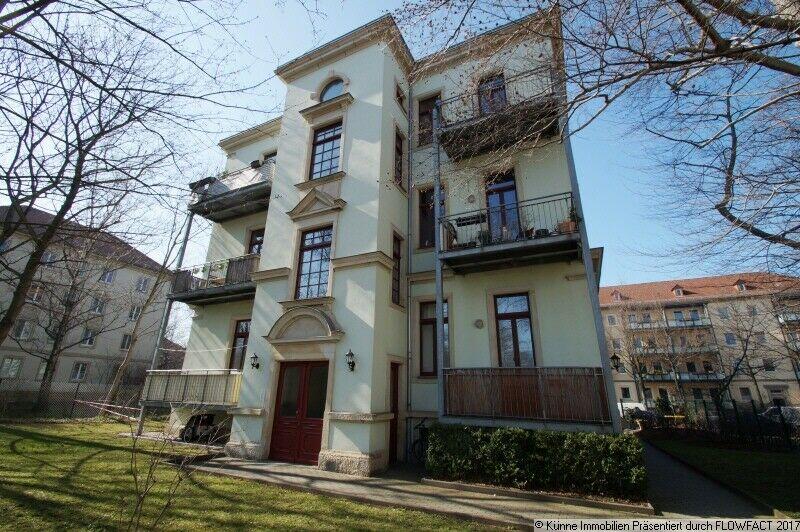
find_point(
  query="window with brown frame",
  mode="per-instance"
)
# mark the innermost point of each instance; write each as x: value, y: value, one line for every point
x: 256, y: 241
x: 428, y: 360
x: 514, y: 331
x: 325, y: 151
x: 492, y: 94
x: 425, y: 120
x: 427, y: 230
x: 399, y: 152
x: 400, y: 96
x: 397, y: 247
x: 241, y: 333
x: 314, y: 263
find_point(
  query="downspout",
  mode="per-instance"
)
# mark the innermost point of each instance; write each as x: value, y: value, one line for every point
x: 410, y: 255
x: 437, y: 215
x: 165, y: 316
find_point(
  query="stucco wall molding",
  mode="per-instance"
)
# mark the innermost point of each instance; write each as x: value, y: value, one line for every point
x: 275, y: 273
x: 361, y: 417
x: 316, y: 203
x: 377, y: 258
x: 340, y: 103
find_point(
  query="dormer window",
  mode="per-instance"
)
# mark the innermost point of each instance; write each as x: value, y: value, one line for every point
x: 740, y: 286
x: 332, y: 90
x: 616, y: 296
x: 678, y: 292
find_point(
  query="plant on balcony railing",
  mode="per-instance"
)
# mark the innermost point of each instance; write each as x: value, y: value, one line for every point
x: 532, y: 219
x: 223, y: 272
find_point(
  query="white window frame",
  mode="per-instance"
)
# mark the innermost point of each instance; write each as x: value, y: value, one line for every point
x: 89, y: 338
x: 142, y: 283
x: 98, y: 306
x: 108, y: 276
x: 24, y: 332
x: 48, y: 258
x: 134, y: 312
x: 7, y: 363
x: 34, y: 294
x: 79, y: 376
x: 123, y: 346
x: 611, y: 319
x: 730, y: 336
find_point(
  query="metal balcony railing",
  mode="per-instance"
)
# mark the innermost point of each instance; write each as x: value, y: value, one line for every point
x: 229, y: 181
x: 658, y: 324
x: 689, y: 322
x: 789, y: 317
x: 677, y: 350
x: 669, y: 376
x: 218, y: 273
x: 500, y: 95
x: 219, y: 387
x: 531, y: 219
x: 575, y: 395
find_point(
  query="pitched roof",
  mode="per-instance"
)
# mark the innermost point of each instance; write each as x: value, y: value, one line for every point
x: 105, y: 244
x: 756, y: 283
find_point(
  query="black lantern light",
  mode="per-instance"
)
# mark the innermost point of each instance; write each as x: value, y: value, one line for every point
x: 351, y: 360
x: 254, y: 361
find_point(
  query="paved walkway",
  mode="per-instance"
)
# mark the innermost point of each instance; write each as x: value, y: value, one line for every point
x: 676, y: 490
x: 400, y: 490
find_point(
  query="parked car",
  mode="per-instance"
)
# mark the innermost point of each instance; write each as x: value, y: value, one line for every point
x: 790, y: 413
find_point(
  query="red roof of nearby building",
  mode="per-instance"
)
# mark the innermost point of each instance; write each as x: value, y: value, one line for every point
x: 105, y: 244
x: 755, y: 283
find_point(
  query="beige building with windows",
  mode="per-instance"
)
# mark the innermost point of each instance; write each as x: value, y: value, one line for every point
x: 87, y: 294
x: 315, y: 315
x: 687, y: 339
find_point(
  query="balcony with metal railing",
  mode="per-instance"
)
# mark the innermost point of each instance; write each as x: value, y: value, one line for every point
x: 500, y: 112
x: 786, y: 318
x: 197, y: 387
x: 532, y: 231
x: 701, y: 321
x: 216, y: 282
x: 675, y: 350
x: 547, y: 394
x: 233, y: 194
x: 683, y: 376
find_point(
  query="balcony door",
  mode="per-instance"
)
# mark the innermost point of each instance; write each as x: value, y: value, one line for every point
x: 299, y: 410
x: 503, y: 211
x: 241, y: 333
x: 514, y: 331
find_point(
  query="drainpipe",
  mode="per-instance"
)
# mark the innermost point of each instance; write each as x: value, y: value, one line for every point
x: 437, y: 214
x: 165, y: 316
x: 591, y: 281
x: 410, y: 255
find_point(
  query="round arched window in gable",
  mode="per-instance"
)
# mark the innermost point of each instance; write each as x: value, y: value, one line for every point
x: 332, y: 90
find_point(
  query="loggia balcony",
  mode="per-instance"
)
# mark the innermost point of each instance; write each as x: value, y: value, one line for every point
x: 502, y: 111
x: 533, y: 231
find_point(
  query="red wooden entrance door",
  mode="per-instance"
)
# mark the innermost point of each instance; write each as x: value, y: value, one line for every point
x: 299, y: 408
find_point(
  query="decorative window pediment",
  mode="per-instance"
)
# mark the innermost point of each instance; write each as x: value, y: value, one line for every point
x: 304, y: 324
x: 314, y: 203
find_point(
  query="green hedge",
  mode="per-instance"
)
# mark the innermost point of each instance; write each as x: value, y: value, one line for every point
x: 574, y: 462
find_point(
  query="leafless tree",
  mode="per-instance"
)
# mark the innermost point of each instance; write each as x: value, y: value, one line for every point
x: 713, y: 84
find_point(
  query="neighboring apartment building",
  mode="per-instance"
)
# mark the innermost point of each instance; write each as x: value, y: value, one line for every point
x: 105, y: 287
x: 315, y: 320
x: 687, y: 339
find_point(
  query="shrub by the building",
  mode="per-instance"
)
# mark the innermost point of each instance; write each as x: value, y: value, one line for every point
x: 570, y: 462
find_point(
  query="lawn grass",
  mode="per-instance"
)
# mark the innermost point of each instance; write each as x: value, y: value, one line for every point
x: 78, y: 476
x: 770, y: 477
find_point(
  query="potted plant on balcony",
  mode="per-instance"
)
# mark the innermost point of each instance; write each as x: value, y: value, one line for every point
x: 570, y: 225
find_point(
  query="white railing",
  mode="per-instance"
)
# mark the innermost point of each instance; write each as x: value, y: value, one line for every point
x: 192, y: 387
x: 236, y: 179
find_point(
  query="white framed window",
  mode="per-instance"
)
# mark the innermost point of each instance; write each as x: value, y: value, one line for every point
x: 730, y: 338
x: 108, y: 276
x: 48, y: 258
x: 78, y: 373
x: 752, y: 310
x: 611, y: 319
x: 616, y: 343
x: 89, y: 337
x: 40, y: 371
x: 23, y: 329
x: 724, y: 313
x: 769, y: 364
x: 125, y: 344
x: 98, y: 306
x: 142, y: 283
x: 626, y: 392
x: 10, y: 368
x: 134, y: 312
x: 34, y: 294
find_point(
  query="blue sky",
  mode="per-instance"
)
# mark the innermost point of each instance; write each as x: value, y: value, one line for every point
x: 611, y: 165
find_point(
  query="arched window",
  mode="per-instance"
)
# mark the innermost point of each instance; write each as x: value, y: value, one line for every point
x: 332, y: 90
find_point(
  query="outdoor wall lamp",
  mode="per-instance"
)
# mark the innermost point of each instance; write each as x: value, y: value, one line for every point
x: 254, y: 361
x: 614, y: 362
x: 351, y: 360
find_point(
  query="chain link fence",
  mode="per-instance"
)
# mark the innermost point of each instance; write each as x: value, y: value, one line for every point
x: 19, y: 399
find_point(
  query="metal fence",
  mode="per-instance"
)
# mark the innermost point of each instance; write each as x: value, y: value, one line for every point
x: 223, y: 272
x: 19, y: 398
x: 735, y: 422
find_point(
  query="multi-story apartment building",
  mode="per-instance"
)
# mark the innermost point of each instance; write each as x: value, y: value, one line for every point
x: 688, y: 339
x: 315, y: 313
x: 80, y: 310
